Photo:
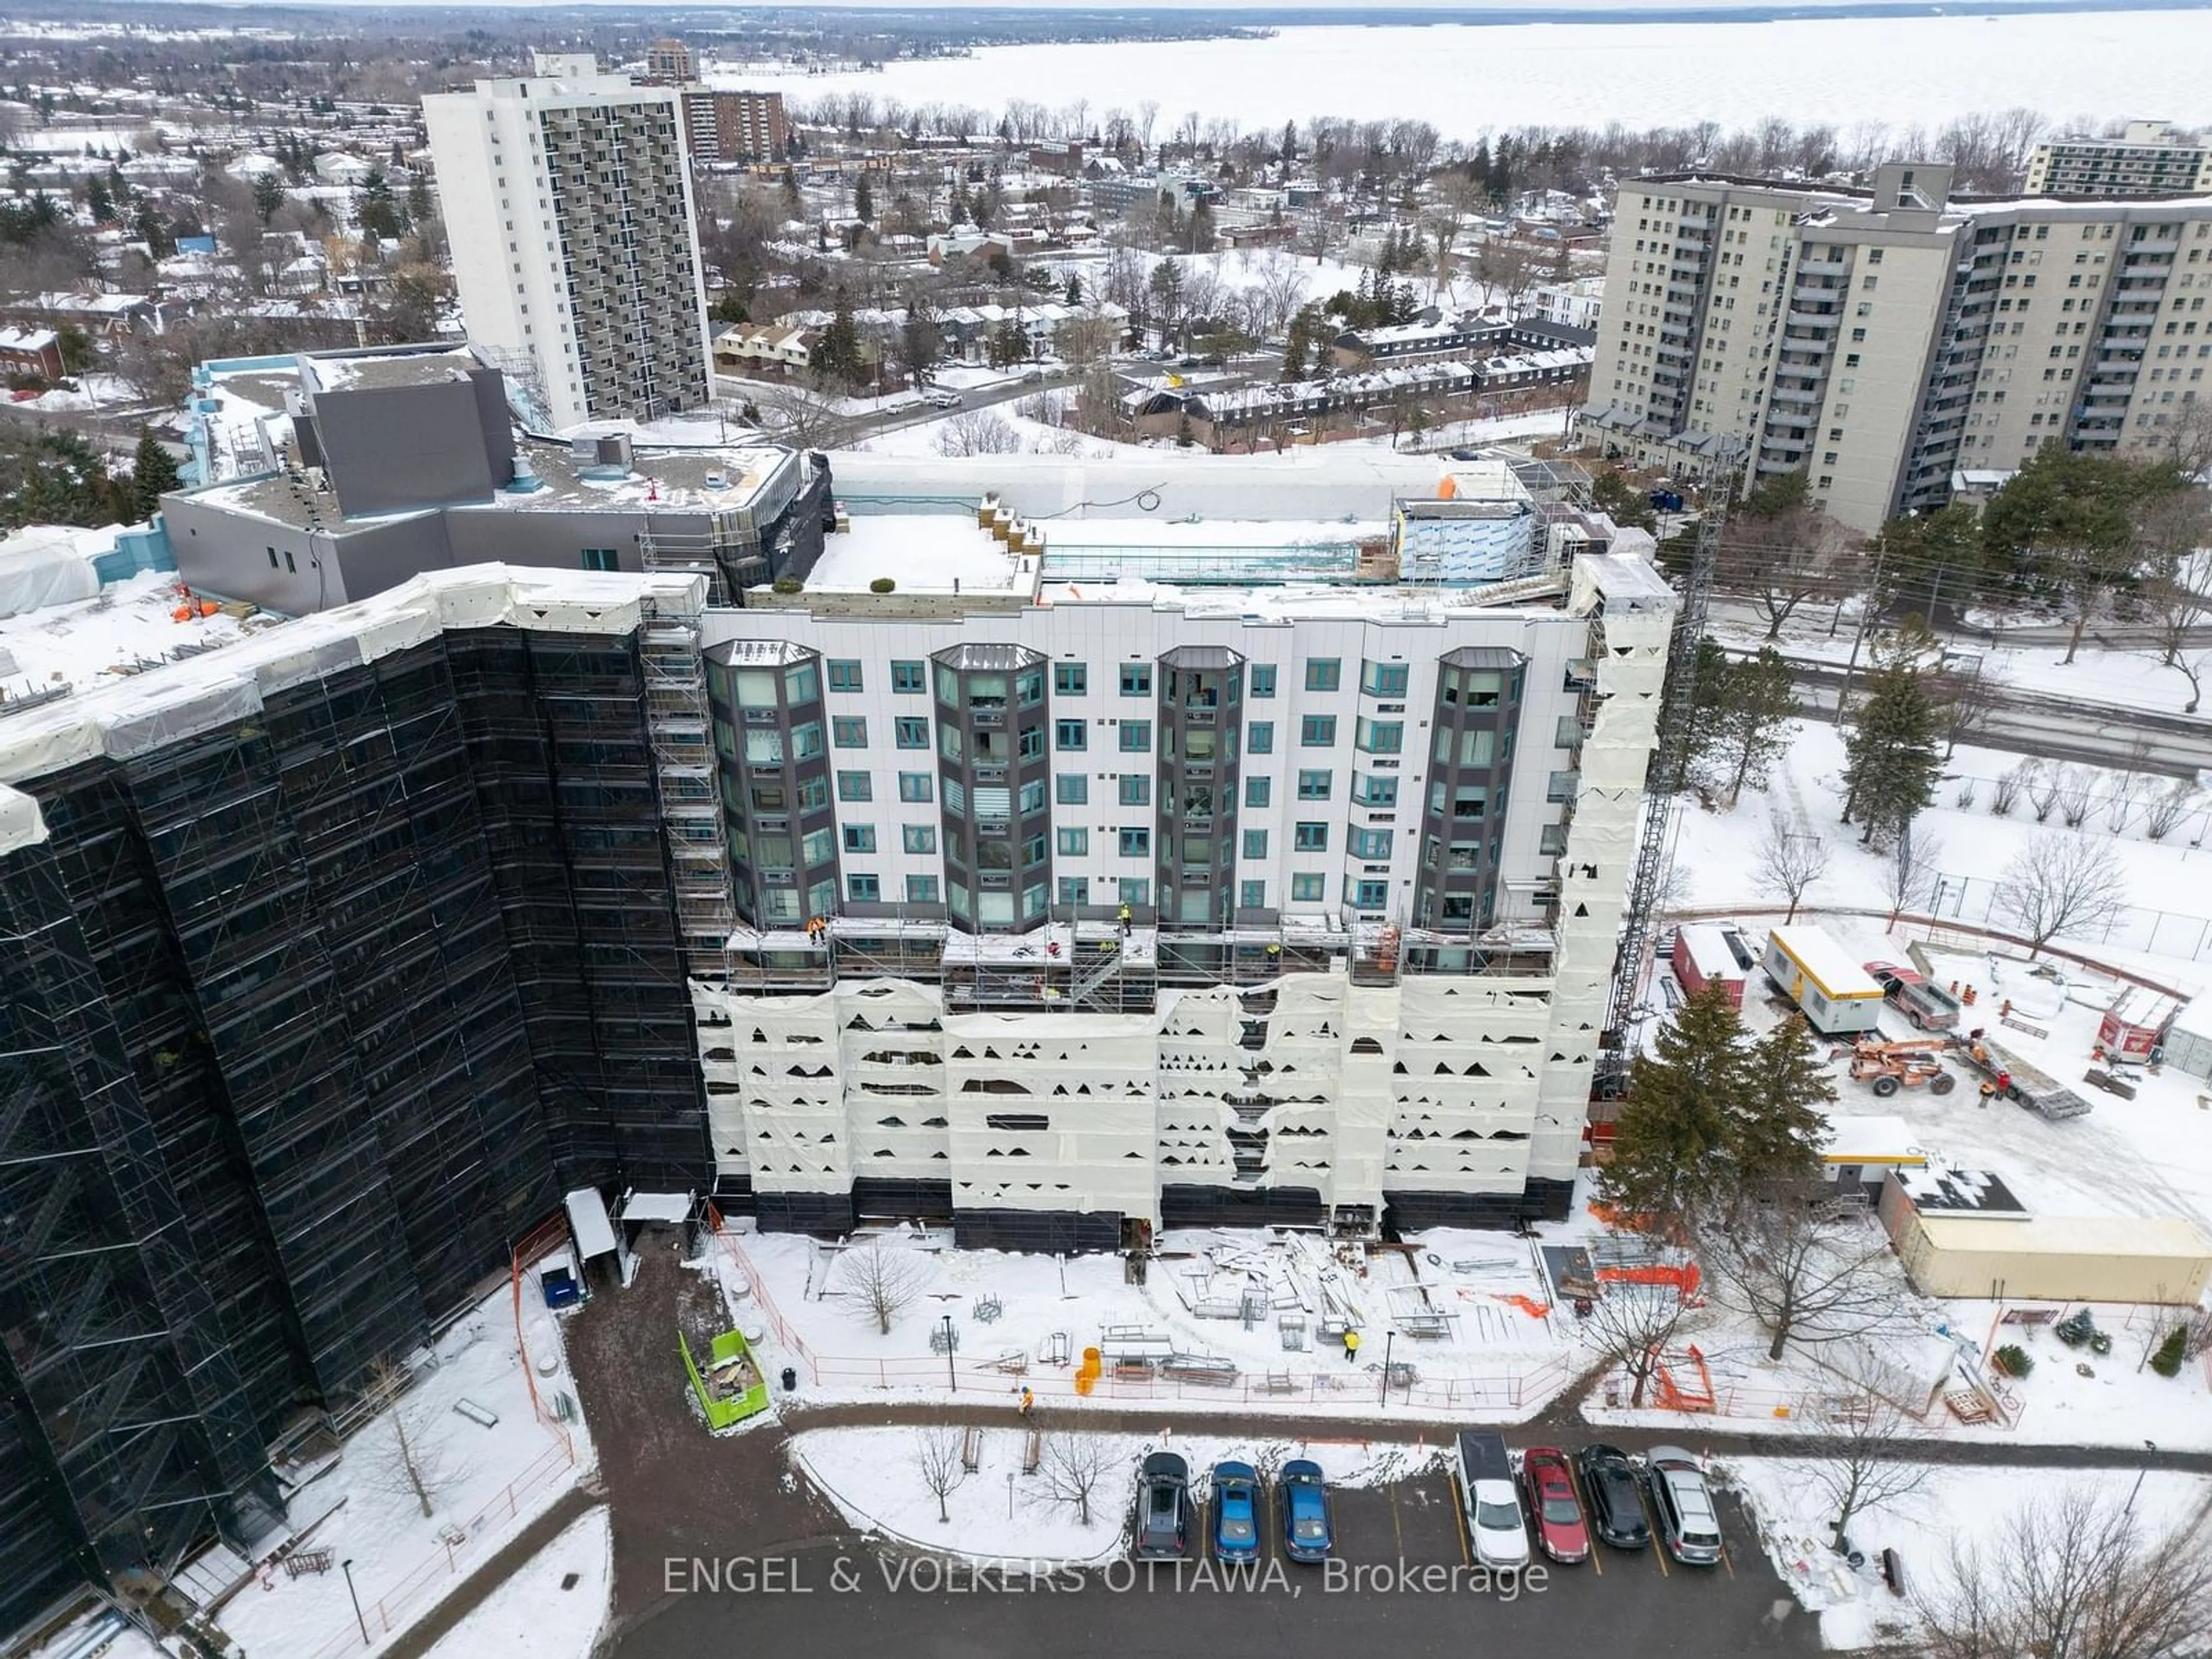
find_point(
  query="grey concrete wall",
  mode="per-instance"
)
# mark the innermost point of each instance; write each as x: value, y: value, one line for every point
x: 378, y: 557
x: 237, y: 555
x: 389, y: 448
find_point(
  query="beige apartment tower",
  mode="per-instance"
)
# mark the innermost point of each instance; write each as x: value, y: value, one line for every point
x: 1881, y: 341
x: 2151, y: 158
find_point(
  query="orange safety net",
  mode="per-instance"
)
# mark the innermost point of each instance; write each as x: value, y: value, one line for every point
x: 1528, y: 1305
x: 1684, y: 1279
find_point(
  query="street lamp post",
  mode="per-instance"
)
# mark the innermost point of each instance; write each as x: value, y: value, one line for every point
x: 356, y: 1597
x: 2150, y: 1450
x: 952, y: 1377
x: 1010, y: 1494
x: 1389, y: 1339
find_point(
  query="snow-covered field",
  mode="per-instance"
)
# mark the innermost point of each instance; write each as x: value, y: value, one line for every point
x: 1502, y: 1351
x: 538, y: 1613
x: 1468, y: 79
x: 1856, y: 1609
x: 486, y: 1482
x: 874, y: 1477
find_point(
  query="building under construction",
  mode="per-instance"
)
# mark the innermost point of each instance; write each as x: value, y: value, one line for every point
x: 1055, y: 906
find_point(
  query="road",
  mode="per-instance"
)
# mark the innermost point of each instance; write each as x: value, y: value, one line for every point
x: 2055, y: 728
x: 117, y: 433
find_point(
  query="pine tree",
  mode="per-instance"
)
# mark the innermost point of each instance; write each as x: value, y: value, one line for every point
x: 1775, y: 1130
x: 99, y: 199
x: 152, y: 473
x: 1674, y: 1127
x: 1074, y: 288
x: 1752, y: 704
x: 836, y: 358
x: 1892, y: 755
x: 268, y: 196
x: 864, y: 200
x: 379, y: 214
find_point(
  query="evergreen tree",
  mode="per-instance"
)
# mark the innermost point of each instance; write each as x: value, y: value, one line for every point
x: 419, y: 204
x: 1775, y: 1130
x: 152, y: 473
x: 864, y: 200
x: 1674, y: 1131
x: 1752, y: 701
x: 1289, y: 146
x: 792, y: 204
x: 148, y: 229
x: 99, y: 200
x: 268, y: 196
x: 1074, y: 288
x: 836, y: 357
x: 1201, y: 228
x: 379, y: 214
x: 1892, y: 755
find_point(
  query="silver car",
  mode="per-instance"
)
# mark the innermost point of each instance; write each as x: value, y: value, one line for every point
x: 1688, y: 1526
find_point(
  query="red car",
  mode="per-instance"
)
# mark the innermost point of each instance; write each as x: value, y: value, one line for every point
x: 1552, y: 1501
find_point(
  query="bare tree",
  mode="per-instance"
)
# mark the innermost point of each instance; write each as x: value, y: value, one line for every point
x: 2044, y: 784
x: 978, y: 432
x: 404, y: 1460
x: 2060, y: 884
x: 1071, y: 1466
x: 1909, y: 875
x: 1631, y: 1326
x: 2006, y: 795
x: 2165, y: 812
x: 1808, y: 1270
x: 939, y: 1452
x: 2188, y: 442
x: 1858, y: 1455
x: 2071, y: 1575
x: 796, y: 416
x: 2077, y: 788
x: 1788, y: 862
x: 1964, y: 702
x: 884, y: 1281
x: 2128, y: 789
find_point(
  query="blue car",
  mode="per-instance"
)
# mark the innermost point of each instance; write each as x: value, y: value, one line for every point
x: 1306, y: 1533
x: 1235, y: 1512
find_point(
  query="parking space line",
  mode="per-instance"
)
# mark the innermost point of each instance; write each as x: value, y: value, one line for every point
x: 1726, y: 1562
x: 1458, y: 1515
x: 1397, y: 1528
x: 1651, y: 1519
x: 1581, y: 1490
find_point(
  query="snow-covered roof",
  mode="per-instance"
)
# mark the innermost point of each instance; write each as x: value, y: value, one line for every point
x: 1871, y: 1138
x: 26, y: 339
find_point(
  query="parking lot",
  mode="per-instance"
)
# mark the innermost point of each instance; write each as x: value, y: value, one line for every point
x: 1401, y: 1576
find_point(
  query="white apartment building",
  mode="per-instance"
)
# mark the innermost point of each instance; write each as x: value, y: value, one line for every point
x: 568, y: 200
x: 1879, y: 342
x: 1067, y: 906
x: 2151, y: 158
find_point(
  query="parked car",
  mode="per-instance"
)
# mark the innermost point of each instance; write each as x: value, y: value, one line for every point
x: 942, y: 398
x: 1492, y: 1504
x: 1559, y: 1513
x: 1689, y: 1525
x: 1162, y: 1509
x: 1929, y: 1007
x: 1307, y: 1535
x: 1235, y: 1512
x: 1616, y: 1503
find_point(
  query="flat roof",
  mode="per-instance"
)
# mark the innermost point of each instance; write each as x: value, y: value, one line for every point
x: 1873, y: 1137
x: 922, y: 552
x: 1826, y: 964
x: 1706, y: 946
x: 2156, y: 1236
x: 1935, y: 1190
x: 370, y: 371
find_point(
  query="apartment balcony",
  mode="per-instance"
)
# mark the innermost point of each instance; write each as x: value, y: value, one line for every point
x: 1806, y: 396
x: 1819, y: 322
x: 1824, y: 267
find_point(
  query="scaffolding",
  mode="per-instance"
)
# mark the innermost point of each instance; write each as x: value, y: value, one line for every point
x: 682, y: 730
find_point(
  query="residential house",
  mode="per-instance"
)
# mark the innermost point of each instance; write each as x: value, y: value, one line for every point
x: 26, y: 353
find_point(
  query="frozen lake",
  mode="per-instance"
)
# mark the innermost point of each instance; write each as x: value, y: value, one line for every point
x: 1465, y: 79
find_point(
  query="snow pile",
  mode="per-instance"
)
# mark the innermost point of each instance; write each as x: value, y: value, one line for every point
x: 1856, y: 1608
x: 131, y: 625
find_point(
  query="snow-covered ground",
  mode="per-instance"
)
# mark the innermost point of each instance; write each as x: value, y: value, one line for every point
x: 1846, y: 72
x: 1716, y: 852
x: 1956, y: 1505
x: 486, y: 1482
x: 553, y: 1608
x: 97, y: 392
x: 1001, y: 1513
x: 1502, y: 1350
